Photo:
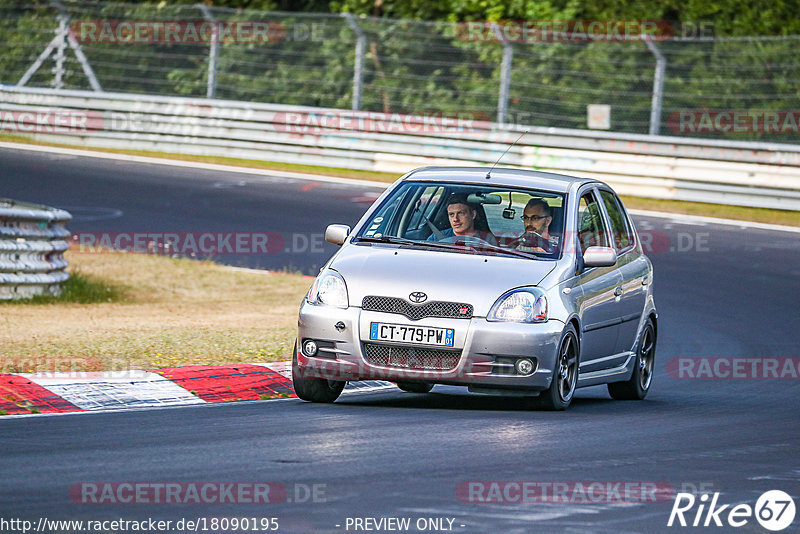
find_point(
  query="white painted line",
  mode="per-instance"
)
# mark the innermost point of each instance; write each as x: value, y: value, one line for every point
x: 207, y: 405
x: 691, y: 219
x: 129, y: 389
x: 193, y: 164
x: 346, y: 181
x: 131, y: 375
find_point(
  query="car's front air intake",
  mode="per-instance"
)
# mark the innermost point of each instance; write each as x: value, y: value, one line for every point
x: 411, y: 357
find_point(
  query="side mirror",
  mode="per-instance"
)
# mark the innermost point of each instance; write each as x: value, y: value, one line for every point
x: 337, y: 233
x: 599, y: 257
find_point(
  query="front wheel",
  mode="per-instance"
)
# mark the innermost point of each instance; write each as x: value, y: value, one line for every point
x: 415, y: 387
x: 639, y: 384
x: 565, y: 375
x: 314, y: 389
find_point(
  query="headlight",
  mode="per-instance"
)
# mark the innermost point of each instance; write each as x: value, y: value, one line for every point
x: 329, y: 288
x: 527, y: 305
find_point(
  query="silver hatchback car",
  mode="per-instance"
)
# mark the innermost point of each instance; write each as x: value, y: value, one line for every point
x: 508, y: 282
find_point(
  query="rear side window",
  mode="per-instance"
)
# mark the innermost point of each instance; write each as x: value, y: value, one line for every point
x: 620, y: 229
x: 591, y: 228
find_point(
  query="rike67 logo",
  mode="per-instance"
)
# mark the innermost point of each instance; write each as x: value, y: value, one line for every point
x: 774, y: 510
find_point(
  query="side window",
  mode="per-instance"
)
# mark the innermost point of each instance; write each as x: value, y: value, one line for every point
x: 424, y: 207
x: 620, y: 229
x: 591, y: 229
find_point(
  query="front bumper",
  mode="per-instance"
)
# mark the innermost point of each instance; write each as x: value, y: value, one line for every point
x: 487, y: 349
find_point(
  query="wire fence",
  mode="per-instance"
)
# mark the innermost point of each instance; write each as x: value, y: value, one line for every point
x: 742, y: 89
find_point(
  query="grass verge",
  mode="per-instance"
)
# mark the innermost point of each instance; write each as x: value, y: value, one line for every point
x: 133, y: 311
x: 80, y: 288
x: 739, y: 213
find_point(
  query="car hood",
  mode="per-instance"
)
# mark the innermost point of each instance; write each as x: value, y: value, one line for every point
x: 469, y: 278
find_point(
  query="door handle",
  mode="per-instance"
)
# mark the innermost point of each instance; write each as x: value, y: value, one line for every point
x: 618, y: 291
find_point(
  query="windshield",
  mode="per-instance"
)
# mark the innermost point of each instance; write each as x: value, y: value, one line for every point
x: 470, y: 218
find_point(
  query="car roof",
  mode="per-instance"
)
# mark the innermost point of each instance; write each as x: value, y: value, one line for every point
x: 560, y: 183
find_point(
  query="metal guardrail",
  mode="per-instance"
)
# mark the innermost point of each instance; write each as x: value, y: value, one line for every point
x: 644, y: 74
x: 736, y: 173
x: 32, y: 245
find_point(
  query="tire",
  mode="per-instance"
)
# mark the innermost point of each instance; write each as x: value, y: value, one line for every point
x: 415, y: 387
x: 642, y: 377
x: 565, y: 375
x: 314, y: 389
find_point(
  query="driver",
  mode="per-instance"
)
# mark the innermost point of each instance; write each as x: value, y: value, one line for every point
x: 462, y: 215
x: 537, y: 217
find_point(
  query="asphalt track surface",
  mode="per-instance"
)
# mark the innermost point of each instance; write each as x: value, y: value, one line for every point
x: 733, y: 293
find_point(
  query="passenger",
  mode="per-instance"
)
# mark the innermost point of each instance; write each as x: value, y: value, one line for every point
x: 462, y: 216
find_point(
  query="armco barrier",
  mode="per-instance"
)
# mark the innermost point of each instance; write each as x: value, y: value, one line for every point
x: 32, y: 245
x: 745, y: 173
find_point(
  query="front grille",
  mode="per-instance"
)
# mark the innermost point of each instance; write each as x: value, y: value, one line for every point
x: 411, y: 357
x: 449, y: 310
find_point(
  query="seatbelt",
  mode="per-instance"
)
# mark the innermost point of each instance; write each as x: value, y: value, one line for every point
x: 438, y: 233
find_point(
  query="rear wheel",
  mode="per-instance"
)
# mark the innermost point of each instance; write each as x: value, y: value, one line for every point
x: 314, y: 389
x: 415, y: 387
x: 565, y: 375
x: 639, y: 384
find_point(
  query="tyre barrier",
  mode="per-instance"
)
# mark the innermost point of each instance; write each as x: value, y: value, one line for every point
x: 33, y: 239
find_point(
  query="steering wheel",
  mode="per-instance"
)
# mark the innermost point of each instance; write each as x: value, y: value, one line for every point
x: 530, y: 241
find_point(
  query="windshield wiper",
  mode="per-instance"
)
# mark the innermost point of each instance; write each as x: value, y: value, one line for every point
x: 387, y: 239
x: 458, y: 245
x: 496, y: 248
x: 411, y: 242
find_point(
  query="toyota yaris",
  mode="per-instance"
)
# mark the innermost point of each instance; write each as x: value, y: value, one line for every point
x: 507, y: 282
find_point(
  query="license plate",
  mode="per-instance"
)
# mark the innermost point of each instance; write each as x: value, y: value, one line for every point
x: 401, y: 333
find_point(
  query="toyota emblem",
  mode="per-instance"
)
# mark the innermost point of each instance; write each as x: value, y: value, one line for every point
x: 417, y: 297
